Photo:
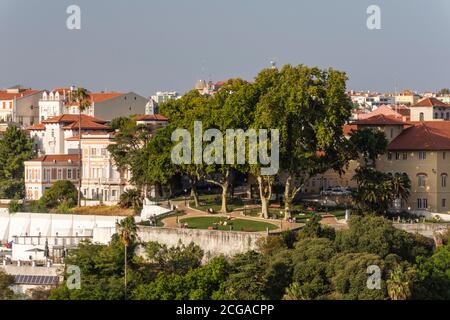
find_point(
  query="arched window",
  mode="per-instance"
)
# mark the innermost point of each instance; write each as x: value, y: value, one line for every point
x: 421, y: 180
x: 421, y: 116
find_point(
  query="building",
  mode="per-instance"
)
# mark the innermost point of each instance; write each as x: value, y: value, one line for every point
x: 152, y: 106
x: 407, y: 97
x: 42, y: 172
x: 370, y: 101
x: 153, y: 120
x: 50, y: 135
x: 19, y: 105
x: 209, y: 88
x: 104, y: 105
x: 430, y: 109
x: 100, y: 180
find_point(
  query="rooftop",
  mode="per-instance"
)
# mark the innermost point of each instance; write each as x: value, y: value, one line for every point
x: 430, y: 135
x: 431, y: 102
x: 57, y: 158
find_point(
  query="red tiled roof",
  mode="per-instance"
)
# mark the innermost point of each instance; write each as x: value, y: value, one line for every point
x: 57, y: 158
x: 380, y: 119
x: 103, y: 96
x: 4, y: 95
x: 348, y: 128
x: 38, y: 126
x: 431, y: 135
x: 69, y: 118
x: 431, y: 102
x: 86, y: 124
x: 152, y: 117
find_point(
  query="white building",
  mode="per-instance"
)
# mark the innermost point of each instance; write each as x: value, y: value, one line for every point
x: 50, y: 135
x: 100, y: 180
x: 430, y: 109
x: 104, y: 105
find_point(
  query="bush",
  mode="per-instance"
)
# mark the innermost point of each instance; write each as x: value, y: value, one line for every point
x: 12, y: 189
x: 61, y: 192
x: 131, y: 199
x: 14, y: 206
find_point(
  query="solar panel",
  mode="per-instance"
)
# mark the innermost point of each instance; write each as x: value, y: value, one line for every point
x: 35, y: 280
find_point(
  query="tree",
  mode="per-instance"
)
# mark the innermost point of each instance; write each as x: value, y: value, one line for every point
x: 398, y: 285
x: 444, y: 91
x: 202, y: 283
x: 61, y: 192
x: 131, y: 198
x: 127, y: 231
x: 377, y: 191
x: 348, y: 274
x: 369, y: 143
x: 313, y: 229
x: 6, y: 281
x: 377, y: 235
x: 80, y: 98
x: 15, y: 148
x: 179, y: 259
x: 309, y: 106
x: 127, y: 151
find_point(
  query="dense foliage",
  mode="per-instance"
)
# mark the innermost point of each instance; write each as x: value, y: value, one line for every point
x: 319, y: 264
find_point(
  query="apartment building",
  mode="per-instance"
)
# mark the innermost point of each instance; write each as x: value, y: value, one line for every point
x: 19, y: 105
x: 100, y: 179
x: 104, y: 105
x: 42, y: 172
x: 407, y: 97
x: 50, y: 136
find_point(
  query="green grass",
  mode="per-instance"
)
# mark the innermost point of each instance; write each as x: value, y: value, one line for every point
x: 236, y: 224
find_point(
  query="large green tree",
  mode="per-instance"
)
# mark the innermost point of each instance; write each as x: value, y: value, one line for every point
x: 309, y: 106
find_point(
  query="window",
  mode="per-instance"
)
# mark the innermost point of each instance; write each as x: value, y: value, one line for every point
x: 389, y: 156
x: 436, y: 115
x: 59, y: 174
x: 397, y: 156
x: 114, y: 193
x: 444, y: 203
x: 444, y: 180
x: 392, y: 133
x: 422, y: 155
x: 421, y: 180
x: 69, y: 174
x: 422, y: 203
x: 405, y: 156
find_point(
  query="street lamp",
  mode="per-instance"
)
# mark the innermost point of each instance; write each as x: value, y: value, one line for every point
x: 185, y: 195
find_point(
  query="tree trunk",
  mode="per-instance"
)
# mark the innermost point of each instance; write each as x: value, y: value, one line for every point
x: 224, y: 208
x: 265, y: 193
x: 194, y: 194
x: 287, y: 199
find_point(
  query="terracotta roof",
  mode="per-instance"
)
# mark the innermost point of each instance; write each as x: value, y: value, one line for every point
x: 380, y: 119
x: 69, y: 118
x: 86, y: 124
x: 348, y: 128
x: 94, y: 133
x: 431, y: 135
x: 431, y: 102
x: 57, y: 158
x: 4, y: 95
x: 38, y: 126
x: 152, y: 117
x: 103, y: 96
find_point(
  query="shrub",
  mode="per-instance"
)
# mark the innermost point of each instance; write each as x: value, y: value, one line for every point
x: 14, y: 206
x: 61, y: 192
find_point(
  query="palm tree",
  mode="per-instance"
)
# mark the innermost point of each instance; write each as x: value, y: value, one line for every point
x: 398, y: 285
x: 294, y: 292
x: 127, y: 231
x: 79, y: 97
x: 401, y: 186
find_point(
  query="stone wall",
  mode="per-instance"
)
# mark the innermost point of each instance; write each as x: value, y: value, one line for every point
x: 212, y: 242
x: 425, y: 229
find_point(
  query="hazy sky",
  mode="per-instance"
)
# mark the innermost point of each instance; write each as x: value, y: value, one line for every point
x: 150, y: 45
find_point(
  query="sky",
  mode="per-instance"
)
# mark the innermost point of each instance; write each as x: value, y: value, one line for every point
x: 156, y: 45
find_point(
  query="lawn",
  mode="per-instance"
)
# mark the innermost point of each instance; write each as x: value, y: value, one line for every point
x: 235, y: 224
x: 102, y: 211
